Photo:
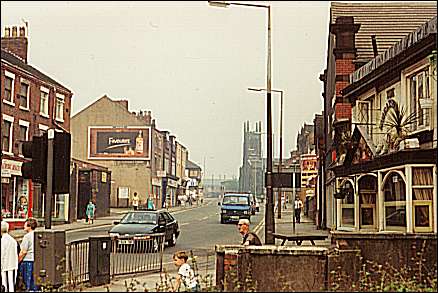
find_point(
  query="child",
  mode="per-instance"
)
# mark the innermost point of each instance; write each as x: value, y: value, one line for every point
x: 185, y: 272
x: 90, y: 210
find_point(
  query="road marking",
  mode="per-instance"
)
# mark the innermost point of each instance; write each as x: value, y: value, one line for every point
x: 259, y: 226
x: 183, y: 224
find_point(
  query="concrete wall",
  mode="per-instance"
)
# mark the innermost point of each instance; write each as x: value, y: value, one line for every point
x: 270, y: 268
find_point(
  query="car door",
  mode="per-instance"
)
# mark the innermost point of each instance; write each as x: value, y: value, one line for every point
x: 169, y: 225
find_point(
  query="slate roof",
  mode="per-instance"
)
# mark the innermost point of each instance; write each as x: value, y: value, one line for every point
x: 191, y: 165
x: 15, y: 61
x: 388, y: 21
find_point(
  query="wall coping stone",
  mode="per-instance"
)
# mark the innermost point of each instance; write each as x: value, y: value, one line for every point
x: 381, y: 235
x: 272, y: 250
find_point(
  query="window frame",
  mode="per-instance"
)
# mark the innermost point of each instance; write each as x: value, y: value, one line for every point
x: 424, y: 71
x: 9, y: 75
x: 422, y: 202
x: 44, y: 112
x: 59, y: 114
x: 9, y: 119
x: 26, y: 124
x: 26, y: 82
x: 394, y: 203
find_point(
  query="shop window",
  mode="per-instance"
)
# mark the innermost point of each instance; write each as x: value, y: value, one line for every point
x: 367, y: 201
x: 395, y: 202
x: 422, y: 196
x: 7, y: 203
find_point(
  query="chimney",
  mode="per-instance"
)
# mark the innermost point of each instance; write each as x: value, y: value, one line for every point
x: 374, y: 42
x: 16, y: 43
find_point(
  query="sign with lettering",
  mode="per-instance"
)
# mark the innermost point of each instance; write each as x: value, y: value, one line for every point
x: 119, y: 143
x: 10, y: 167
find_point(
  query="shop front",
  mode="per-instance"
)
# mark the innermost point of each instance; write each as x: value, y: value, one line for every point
x: 16, y: 204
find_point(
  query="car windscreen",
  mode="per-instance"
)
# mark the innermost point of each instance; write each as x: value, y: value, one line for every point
x: 236, y: 200
x: 139, y: 218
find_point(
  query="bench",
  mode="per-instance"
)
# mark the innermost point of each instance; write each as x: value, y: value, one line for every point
x: 299, y: 238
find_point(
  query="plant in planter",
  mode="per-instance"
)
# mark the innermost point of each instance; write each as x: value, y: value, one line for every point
x: 397, y: 125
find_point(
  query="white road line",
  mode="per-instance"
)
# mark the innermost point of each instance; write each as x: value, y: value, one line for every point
x: 183, y: 224
x: 259, y: 226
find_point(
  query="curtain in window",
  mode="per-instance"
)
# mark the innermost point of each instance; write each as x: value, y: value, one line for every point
x: 422, y: 177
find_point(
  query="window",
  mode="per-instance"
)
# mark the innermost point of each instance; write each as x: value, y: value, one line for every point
x: 42, y: 129
x: 8, y: 95
x: 44, y: 102
x: 347, y: 205
x: 422, y: 196
x: 363, y: 114
x: 419, y: 98
x: 367, y: 201
x: 22, y: 135
x: 395, y: 201
x: 24, y: 95
x: 59, y: 107
x: 7, y: 133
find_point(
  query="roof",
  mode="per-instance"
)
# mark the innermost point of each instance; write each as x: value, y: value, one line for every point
x: 388, y: 21
x: 191, y: 165
x: 15, y: 61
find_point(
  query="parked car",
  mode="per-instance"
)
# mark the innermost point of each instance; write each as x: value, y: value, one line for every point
x: 137, y: 226
x: 235, y: 206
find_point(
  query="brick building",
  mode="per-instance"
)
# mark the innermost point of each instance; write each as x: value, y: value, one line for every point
x: 32, y: 102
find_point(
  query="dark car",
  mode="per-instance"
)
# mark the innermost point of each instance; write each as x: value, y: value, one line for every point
x: 235, y: 206
x: 137, y: 226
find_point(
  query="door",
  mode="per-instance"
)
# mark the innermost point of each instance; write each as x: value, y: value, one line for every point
x: 84, y: 193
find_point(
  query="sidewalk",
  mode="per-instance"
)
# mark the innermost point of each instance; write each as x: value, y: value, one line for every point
x: 115, y: 214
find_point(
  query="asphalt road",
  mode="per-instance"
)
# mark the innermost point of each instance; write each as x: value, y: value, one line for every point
x: 200, y: 232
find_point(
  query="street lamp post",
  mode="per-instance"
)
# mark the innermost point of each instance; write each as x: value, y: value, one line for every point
x: 280, y: 165
x: 269, y: 214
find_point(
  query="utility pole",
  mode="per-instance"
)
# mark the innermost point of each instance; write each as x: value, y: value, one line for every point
x: 49, y: 184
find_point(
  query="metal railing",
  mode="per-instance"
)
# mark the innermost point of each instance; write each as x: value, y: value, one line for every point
x: 137, y: 254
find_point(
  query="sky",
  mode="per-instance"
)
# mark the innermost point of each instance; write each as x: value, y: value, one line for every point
x: 188, y: 63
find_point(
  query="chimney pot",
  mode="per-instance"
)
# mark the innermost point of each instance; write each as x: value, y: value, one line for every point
x: 14, y: 31
x: 22, y: 31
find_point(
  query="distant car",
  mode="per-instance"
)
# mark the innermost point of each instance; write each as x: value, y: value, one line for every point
x: 235, y: 206
x: 136, y: 226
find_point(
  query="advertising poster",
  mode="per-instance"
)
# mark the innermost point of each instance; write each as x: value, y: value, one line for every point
x: 123, y: 143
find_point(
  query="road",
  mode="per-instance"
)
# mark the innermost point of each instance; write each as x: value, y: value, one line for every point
x: 200, y: 232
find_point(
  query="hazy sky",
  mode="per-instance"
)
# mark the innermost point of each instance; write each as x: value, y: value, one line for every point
x: 187, y: 62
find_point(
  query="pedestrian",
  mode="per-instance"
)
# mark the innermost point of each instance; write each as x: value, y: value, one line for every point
x: 186, y: 275
x: 150, y: 204
x: 298, y: 207
x: 135, y: 201
x: 26, y: 256
x: 9, y: 259
x: 90, y: 211
x: 248, y: 238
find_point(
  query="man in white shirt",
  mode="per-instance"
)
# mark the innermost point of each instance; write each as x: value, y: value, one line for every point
x: 9, y: 258
x: 298, y: 207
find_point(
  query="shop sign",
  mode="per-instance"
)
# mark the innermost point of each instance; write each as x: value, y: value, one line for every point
x: 104, y: 177
x: 14, y: 167
x: 5, y: 180
x: 172, y: 183
x: 156, y: 181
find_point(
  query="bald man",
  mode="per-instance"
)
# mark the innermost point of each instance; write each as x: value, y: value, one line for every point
x: 248, y: 238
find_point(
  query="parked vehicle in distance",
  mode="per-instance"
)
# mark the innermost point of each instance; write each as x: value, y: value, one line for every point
x: 235, y: 206
x: 137, y: 226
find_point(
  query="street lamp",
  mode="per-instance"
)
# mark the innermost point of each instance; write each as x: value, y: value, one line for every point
x: 269, y: 214
x: 280, y: 165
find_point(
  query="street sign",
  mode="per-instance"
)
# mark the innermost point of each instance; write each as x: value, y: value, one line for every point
x: 280, y: 180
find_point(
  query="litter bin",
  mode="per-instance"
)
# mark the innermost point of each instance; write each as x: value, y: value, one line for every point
x: 99, y: 260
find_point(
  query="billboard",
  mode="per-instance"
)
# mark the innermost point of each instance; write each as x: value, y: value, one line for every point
x: 119, y: 143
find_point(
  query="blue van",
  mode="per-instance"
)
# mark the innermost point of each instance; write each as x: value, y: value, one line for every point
x: 235, y: 206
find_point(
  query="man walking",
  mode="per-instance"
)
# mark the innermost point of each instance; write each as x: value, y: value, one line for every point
x: 9, y: 259
x: 248, y: 238
x: 26, y: 256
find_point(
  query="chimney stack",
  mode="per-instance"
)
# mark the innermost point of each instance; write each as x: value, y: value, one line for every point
x: 15, y: 43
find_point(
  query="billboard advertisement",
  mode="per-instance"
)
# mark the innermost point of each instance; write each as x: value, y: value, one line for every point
x: 119, y: 143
